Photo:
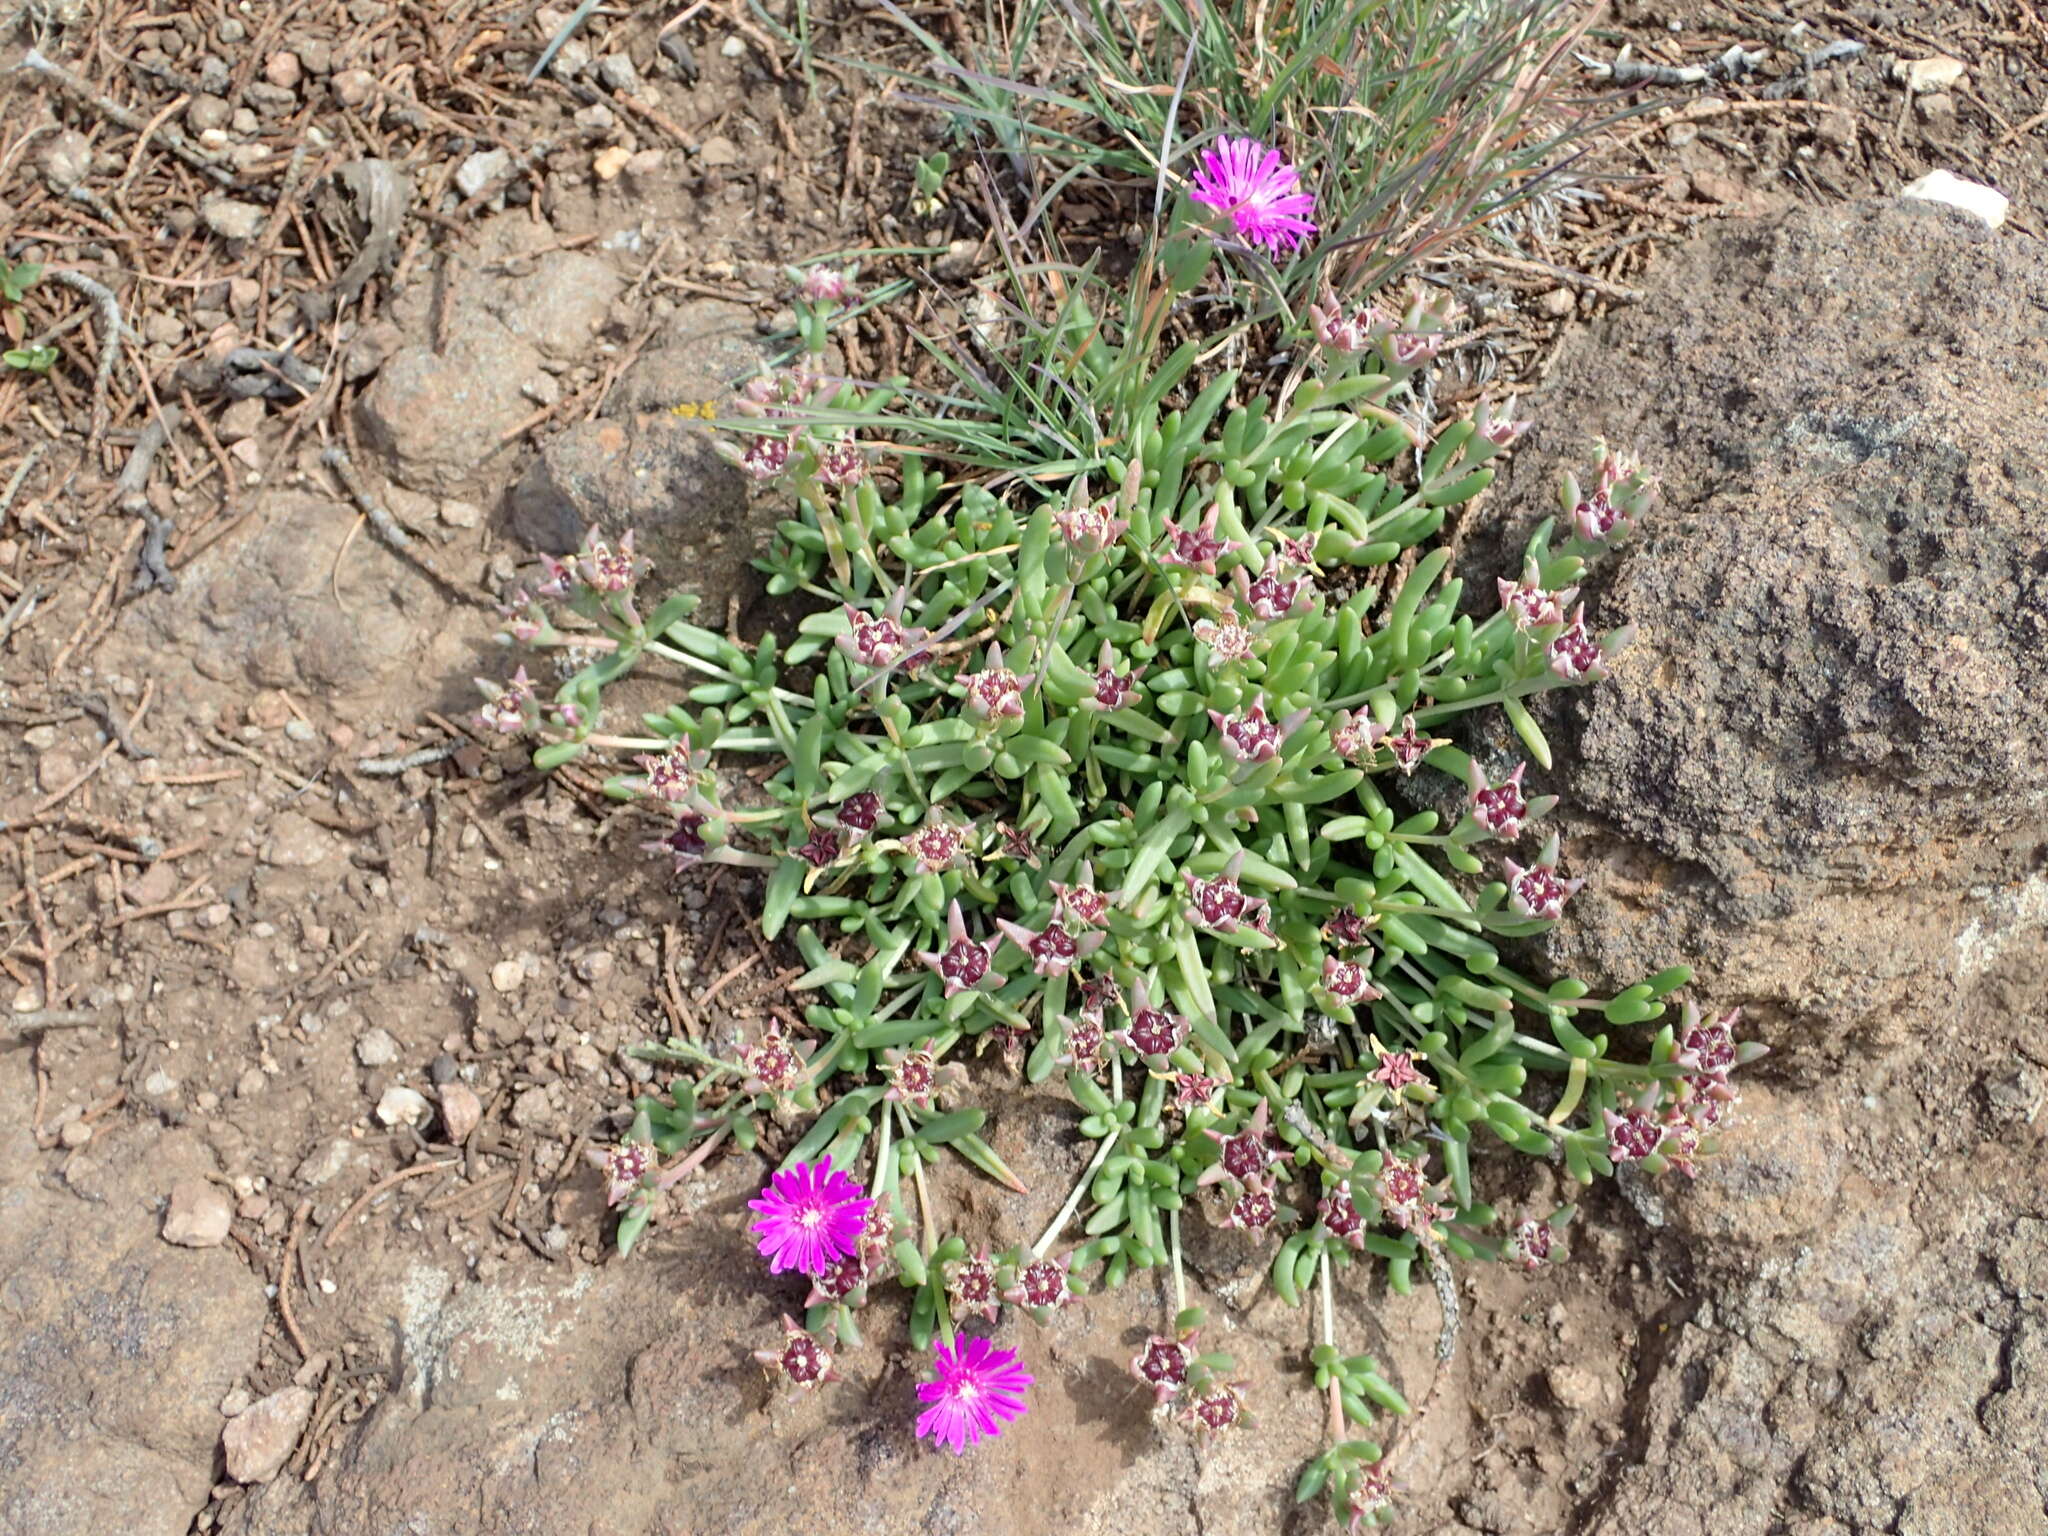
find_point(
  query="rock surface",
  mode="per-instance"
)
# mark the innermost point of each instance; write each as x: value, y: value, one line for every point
x: 258, y: 1441
x: 1821, y: 775
x: 115, y: 1347
x: 640, y: 465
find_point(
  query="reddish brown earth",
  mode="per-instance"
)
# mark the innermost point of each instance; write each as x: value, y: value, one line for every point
x: 1819, y: 776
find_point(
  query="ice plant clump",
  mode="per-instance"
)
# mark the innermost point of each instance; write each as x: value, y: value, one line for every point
x: 1165, y: 799
x: 1260, y: 191
x: 811, y: 1216
x: 976, y: 1391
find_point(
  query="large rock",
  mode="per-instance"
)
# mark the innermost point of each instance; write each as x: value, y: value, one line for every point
x: 115, y: 1347
x: 1822, y: 773
x: 643, y: 466
x: 1822, y: 776
x: 439, y: 420
x: 259, y: 611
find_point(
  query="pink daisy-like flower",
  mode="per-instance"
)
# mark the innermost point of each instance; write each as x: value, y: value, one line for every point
x: 811, y: 1216
x: 977, y: 1391
x: 1260, y: 191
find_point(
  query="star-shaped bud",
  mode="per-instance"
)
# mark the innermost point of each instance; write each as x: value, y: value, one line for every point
x: 965, y: 965
x: 1197, y: 548
x: 1053, y: 950
x: 801, y: 1360
x: 1347, y: 983
x: 1537, y: 891
x: 1410, y: 746
x: 1396, y: 1069
x: 995, y: 692
x: 1195, y: 1090
x: 1219, y: 904
x: 1271, y: 594
x: 1152, y: 1031
x: 822, y: 849
x: 1575, y: 654
x: 1528, y: 605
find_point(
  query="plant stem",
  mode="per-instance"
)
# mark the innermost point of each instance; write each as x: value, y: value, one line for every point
x: 1073, y: 1200
x: 924, y: 1199
x: 1180, y: 1284
x: 882, y: 1150
x: 1335, y: 1426
x: 695, y: 1160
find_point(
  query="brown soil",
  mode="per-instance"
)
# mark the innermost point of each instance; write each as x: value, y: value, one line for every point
x: 232, y: 930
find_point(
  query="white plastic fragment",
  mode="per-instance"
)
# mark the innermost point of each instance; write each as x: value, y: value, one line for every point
x: 1987, y: 203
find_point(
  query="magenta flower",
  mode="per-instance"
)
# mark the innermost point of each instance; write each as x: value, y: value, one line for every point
x: 801, y: 1361
x: 1576, y: 654
x: 842, y: 464
x: 625, y: 1166
x: 1632, y: 1135
x: 978, y: 1389
x: 1346, y: 982
x: 1163, y: 1364
x: 1228, y: 641
x: 827, y: 285
x: 1269, y: 594
x: 1113, y: 689
x: 1083, y: 903
x: 880, y: 640
x: 811, y: 1217
x: 1090, y: 530
x: 1259, y: 190
x: 506, y: 711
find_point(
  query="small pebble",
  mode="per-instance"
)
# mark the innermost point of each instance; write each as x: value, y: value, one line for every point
x: 281, y: 69
x: 402, y: 1106
x: 199, y: 1214
x: 352, y: 87
x: 76, y: 1134
x: 506, y: 975
x: 377, y: 1049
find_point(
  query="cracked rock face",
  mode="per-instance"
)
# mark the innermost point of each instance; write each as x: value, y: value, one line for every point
x: 1821, y: 776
